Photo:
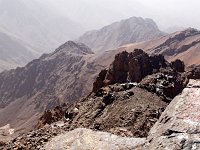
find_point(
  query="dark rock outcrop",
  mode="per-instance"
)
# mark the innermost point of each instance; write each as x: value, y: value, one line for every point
x: 193, y: 72
x: 134, y: 66
x: 49, y: 117
x: 178, y: 65
x: 167, y: 84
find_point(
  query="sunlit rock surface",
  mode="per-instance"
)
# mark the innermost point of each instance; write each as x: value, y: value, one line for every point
x: 86, y: 139
x: 179, y: 125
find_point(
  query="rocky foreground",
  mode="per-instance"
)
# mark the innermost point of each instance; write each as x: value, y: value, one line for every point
x: 177, y: 128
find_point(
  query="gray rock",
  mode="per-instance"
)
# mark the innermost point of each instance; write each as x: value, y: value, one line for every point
x: 179, y: 125
x: 86, y: 139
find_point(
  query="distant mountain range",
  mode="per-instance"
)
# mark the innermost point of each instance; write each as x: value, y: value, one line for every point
x: 13, y: 53
x: 119, y: 33
x: 36, y: 24
x: 40, y: 33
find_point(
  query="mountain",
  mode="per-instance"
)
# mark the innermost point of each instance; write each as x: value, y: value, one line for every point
x: 37, y: 24
x: 61, y: 76
x: 119, y: 33
x: 13, y: 53
x: 183, y: 45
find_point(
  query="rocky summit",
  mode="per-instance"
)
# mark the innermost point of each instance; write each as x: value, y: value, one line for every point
x: 151, y: 71
x: 134, y: 29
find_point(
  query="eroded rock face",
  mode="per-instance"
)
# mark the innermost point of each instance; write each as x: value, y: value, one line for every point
x: 178, y: 126
x: 137, y: 65
x: 130, y: 67
x: 178, y: 65
x: 50, y: 116
x: 87, y: 139
x: 193, y: 72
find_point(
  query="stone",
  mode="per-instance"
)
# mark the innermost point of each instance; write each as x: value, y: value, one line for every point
x: 86, y: 139
x: 179, y: 125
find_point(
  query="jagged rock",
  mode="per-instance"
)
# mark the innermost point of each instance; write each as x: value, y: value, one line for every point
x: 178, y: 65
x: 129, y: 67
x: 134, y: 66
x: 193, y: 72
x: 167, y: 83
x: 99, y: 80
x: 178, y: 126
x: 85, y: 139
x: 50, y: 116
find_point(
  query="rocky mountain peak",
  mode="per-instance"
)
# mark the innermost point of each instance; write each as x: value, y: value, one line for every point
x: 72, y: 47
x: 134, y: 29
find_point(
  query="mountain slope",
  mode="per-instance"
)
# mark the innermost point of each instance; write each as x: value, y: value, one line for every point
x: 13, y: 53
x: 44, y: 83
x: 126, y: 31
x: 183, y: 45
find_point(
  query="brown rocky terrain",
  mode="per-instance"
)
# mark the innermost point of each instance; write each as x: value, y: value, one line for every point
x: 183, y: 45
x: 123, y: 108
x: 177, y: 128
x: 45, y: 83
x: 68, y: 74
x: 134, y: 29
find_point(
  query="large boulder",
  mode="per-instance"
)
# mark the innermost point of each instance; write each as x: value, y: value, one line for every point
x: 179, y: 125
x: 86, y: 139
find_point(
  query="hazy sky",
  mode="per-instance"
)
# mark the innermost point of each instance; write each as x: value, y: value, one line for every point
x: 167, y: 13
x: 175, y: 12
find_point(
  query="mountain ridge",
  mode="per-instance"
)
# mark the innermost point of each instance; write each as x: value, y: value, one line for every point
x: 44, y: 83
x: 134, y: 29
